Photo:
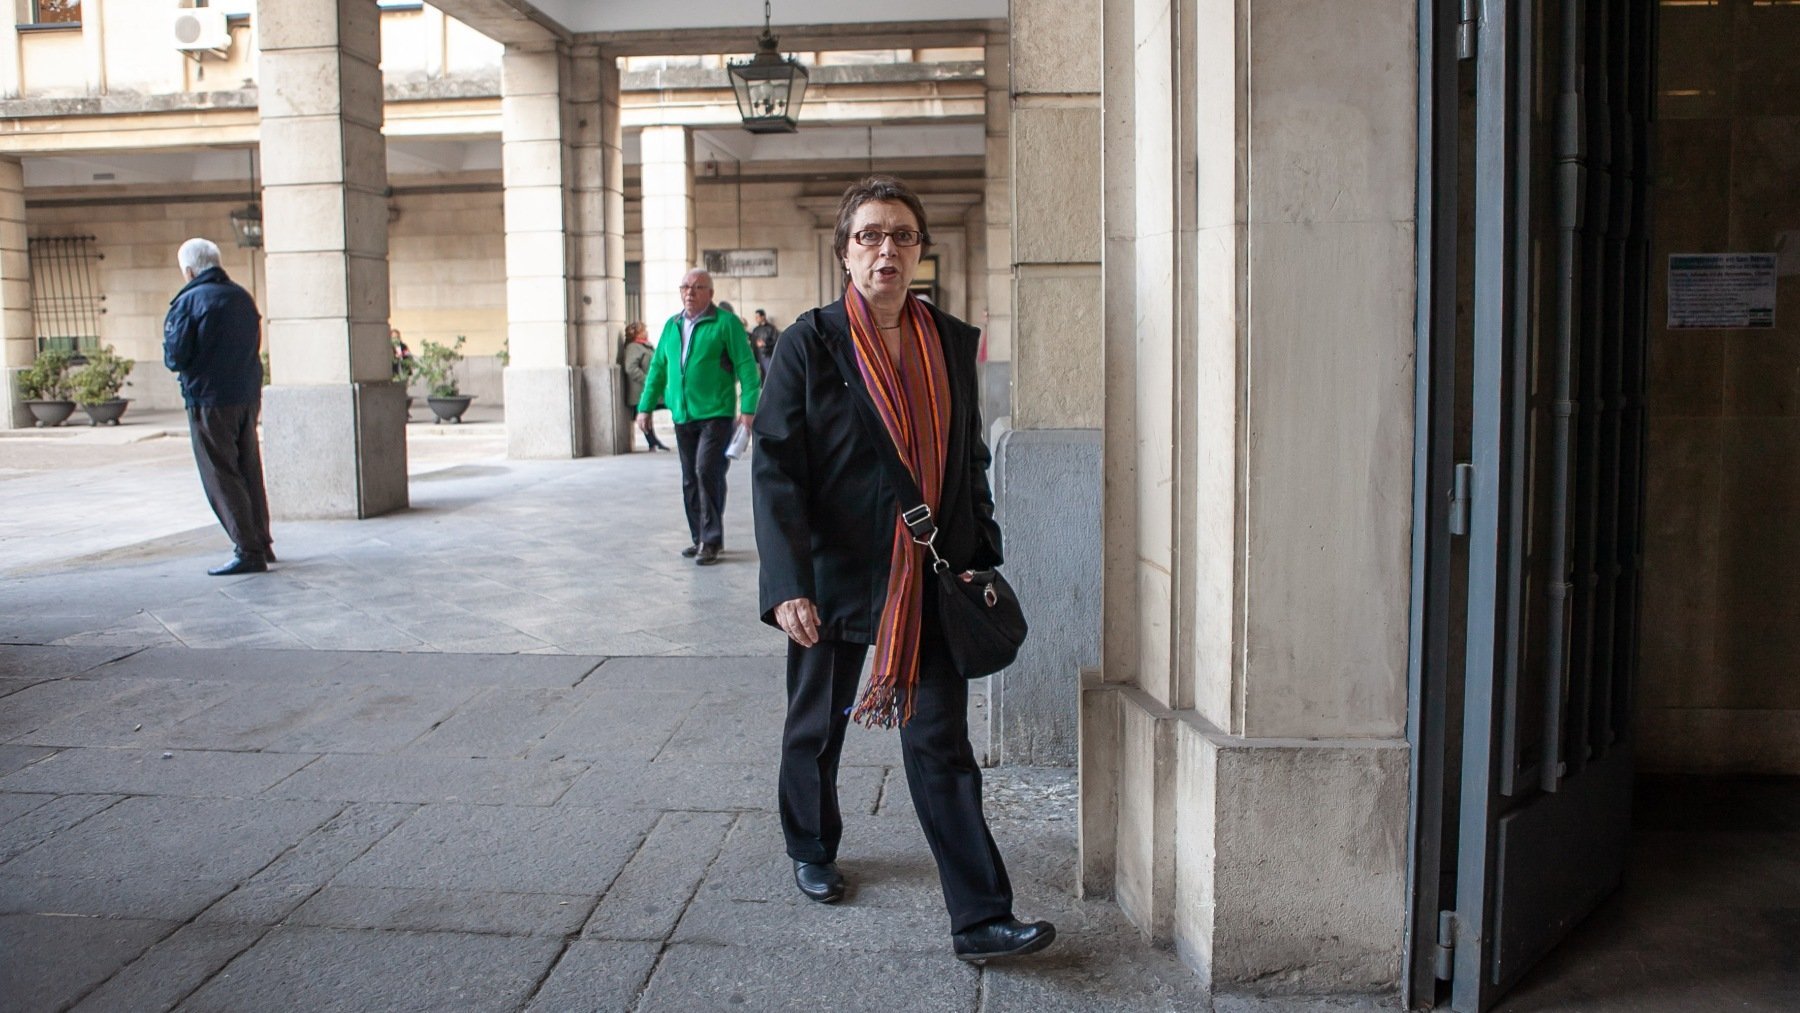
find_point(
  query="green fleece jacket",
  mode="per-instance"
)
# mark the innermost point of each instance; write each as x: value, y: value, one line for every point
x: 720, y: 369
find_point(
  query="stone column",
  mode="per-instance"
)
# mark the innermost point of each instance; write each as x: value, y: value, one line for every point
x: 560, y: 108
x: 600, y: 287
x: 15, y: 288
x: 1243, y: 766
x: 334, y: 424
x: 1047, y: 467
x: 668, y: 187
x: 543, y: 394
x: 996, y: 400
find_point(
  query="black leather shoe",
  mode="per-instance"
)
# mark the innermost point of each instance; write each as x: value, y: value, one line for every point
x: 240, y: 564
x: 821, y: 881
x: 691, y: 551
x: 1002, y: 937
x: 709, y: 554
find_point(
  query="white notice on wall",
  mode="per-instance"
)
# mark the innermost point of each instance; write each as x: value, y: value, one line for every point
x: 1721, y: 290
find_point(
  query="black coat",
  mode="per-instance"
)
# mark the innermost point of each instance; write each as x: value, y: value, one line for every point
x: 212, y: 337
x: 824, y: 512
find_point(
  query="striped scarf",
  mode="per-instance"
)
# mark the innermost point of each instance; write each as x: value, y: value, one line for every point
x: 912, y: 396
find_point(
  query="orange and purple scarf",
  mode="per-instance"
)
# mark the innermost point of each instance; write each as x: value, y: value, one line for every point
x: 912, y: 396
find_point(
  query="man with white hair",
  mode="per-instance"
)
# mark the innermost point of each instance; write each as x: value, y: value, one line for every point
x: 704, y: 370
x: 212, y: 337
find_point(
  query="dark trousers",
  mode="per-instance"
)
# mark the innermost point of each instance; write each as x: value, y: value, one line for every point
x: 230, y: 462
x: 940, y: 771
x: 703, y: 462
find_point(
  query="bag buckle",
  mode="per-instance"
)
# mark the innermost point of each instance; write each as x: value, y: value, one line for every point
x: 989, y: 595
x: 918, y: 521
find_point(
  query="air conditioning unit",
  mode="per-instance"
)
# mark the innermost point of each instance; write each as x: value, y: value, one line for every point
x: 202, y: 29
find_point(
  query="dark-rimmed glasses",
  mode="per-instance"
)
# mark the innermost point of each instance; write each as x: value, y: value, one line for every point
x: 874, y: 237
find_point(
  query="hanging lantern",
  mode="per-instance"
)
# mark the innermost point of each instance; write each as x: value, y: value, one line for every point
x: 769, y: 88
x: 246, y: 222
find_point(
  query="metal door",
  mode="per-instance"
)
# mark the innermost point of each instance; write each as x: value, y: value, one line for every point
x: 1562, y: 95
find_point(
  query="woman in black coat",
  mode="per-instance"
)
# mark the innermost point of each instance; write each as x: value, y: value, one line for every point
x: 839, y: 574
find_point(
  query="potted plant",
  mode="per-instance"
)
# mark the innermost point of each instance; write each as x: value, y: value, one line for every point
x: 97, y: 386
x: 436, y: 366
x: 45, y: 388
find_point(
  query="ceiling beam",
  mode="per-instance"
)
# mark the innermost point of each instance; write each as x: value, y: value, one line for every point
x: 800, y: 38
x: 514, y: 22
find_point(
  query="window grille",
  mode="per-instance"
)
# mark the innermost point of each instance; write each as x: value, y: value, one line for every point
x: 65, y: 293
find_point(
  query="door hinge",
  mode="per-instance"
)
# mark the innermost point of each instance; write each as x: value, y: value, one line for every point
x: 1465, y: 31
x: 1444, y: 959
x: 1459, y: 498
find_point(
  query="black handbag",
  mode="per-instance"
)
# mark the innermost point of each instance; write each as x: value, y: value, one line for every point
x: 982, y: 622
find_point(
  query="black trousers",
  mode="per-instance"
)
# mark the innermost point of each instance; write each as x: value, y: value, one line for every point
x: 230, y: 462
x: 701, y: 444
x: 941, y: 771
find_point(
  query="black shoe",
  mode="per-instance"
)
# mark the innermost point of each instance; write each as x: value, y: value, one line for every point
x: 1002, y: 937
x: 821, y: 881
x: 240, y: 564
x: 269, y: 554
x: 709, y: 554
x: 691, y: 551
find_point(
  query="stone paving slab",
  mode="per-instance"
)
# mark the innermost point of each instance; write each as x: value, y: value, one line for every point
x: 474, y: 911
x: 350, y: 778
x: 43, y: 822
x: 35, y: 706
x: 499, y: 723
x: 172, y: 969
x: 175, y: 839
x: 654, y: 888
x: 14, y: 757
x: 146, y: 714
x: 38, y: 664
x: 47, y: 963
x: 506, y: 849
x: 700, y: 977
x: 193, y: 773
x: 597, y: 976
x: 104, y: 895
x: 328, y: 970
x: 284, y: 884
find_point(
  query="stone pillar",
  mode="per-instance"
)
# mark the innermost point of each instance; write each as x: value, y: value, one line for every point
x: 334, y: 423
x: 543, y: 393
x: 996, y: 393
x: 1047, y: 467
x: 15, y: 288
x: 668, y: 186
x: 1243, y: 762
x: 600, y: 289
x: 564, y: 250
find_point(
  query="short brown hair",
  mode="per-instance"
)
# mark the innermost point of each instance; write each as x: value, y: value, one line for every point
x: 877, y: 188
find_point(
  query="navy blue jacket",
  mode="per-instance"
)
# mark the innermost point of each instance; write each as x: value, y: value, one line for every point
x: 211, y: 337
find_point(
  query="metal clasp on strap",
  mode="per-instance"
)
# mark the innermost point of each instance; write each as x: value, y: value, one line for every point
x: 918, y: 521
x: 924, y: 532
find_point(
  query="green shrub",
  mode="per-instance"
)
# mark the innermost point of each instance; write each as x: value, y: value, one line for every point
x: 436, y: 366
x: 102, y: 378
x: 48, y: 377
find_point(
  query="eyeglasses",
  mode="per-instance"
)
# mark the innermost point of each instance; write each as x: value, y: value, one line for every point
x: 874, y: 237
x: 695, y: 288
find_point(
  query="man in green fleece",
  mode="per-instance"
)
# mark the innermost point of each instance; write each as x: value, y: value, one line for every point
x: 705, y: 371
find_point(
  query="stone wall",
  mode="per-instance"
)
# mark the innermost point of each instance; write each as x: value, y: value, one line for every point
x: 138, y: 274
x: 1721, y: 610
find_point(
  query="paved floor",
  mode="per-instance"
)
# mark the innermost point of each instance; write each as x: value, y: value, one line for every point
x: 504, y: 750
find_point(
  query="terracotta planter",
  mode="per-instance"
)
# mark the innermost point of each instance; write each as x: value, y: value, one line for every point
x: 50, y: 413
x: 106, y: 413
x: 449, y: 409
